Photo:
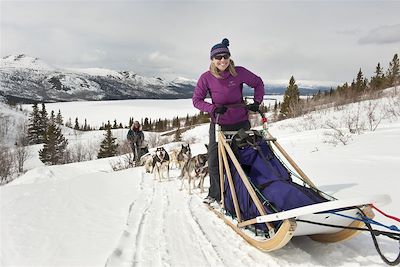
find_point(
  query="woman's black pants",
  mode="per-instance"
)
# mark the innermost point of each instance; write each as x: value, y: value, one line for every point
x: 213, y: 164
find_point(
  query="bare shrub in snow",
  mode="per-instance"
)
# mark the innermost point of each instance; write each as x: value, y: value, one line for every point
x: 5, y: 125
x: 79, y: 151
x: 296, y: 109
x: 124, y: 148
x: 374, y: 115
x: 22, y: 152
x: 123, y: 162
x: 311, y: 122
x: 354, y: 122
x: 336, y: 135
x: 392, y: 107
x: 155, y: 140
x: 7, y: 165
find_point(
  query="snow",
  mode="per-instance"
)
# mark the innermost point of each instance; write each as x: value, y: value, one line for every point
x: 96, y: 71
x: 86, y: 214
x: 98, y: 112
x: 23, y: 61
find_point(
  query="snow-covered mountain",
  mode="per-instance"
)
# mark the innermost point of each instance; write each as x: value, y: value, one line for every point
x: 29, y: 79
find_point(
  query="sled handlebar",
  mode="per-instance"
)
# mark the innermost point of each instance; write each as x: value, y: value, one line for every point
x: 264, y: 119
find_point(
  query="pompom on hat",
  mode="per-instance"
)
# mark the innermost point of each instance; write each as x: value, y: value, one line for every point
x: 221, y: 48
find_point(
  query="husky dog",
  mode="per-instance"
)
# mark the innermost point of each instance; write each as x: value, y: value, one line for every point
x: 147, y: 161
x: 179, y: 156
x: 183, y: 156
x: 161, y: 164
x: 195, y: 168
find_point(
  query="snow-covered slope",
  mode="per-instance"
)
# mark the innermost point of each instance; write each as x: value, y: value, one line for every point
x: 30, y: 79
x: 85, y: 214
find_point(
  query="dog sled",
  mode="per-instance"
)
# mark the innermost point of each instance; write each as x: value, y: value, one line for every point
x: 267, y: 199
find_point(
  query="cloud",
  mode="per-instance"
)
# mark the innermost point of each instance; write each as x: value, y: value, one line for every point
x: 387, y: 34
x: 158, y: 58
x: 349, y: 32
x: 93, y: 56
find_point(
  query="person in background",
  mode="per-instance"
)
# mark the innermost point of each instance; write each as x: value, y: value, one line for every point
x: 136, y: 137
x: 224, y: 84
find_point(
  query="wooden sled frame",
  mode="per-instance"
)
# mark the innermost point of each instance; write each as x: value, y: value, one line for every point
x: 288, y: 226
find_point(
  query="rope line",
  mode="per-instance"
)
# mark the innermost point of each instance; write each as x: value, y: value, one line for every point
x: 385, y: 214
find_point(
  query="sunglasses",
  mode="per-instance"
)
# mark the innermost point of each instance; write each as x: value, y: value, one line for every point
x: 219, y: 57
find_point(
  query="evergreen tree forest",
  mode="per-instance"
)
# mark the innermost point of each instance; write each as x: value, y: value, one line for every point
x: 359, y: 88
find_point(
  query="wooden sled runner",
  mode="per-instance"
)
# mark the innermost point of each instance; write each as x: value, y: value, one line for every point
x: 292, y: 222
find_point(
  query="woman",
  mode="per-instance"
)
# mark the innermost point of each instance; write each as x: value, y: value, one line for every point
x: 224, y: 83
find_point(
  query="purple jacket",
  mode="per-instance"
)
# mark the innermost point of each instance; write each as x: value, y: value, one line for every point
x: 227, y: 91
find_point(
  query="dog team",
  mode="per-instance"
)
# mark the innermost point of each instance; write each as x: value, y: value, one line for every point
x: 193, y: 168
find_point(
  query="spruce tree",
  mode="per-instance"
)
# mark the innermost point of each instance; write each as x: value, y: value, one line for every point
x: 361, y: 83
x: 43, y: 122
x: 59, y: 118
x: 52, y: 117
x: 108, y: 147
x: 393, y: 73
x: 187, y: 120
x: 290, y: 99
x: 377, y: 82
x: 76, y: 126
x: 146, y: 125
x: 54, y: 147
x: 177, y: 136
x: 34, y: 132
x: 69, y: 123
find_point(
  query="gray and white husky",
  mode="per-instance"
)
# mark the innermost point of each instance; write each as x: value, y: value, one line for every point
x: 183, y: 156
x: 161, y: 164
x: 195, y: 169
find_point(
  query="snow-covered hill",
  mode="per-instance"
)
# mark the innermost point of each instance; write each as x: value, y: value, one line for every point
x: 85, y: 214
x: 24, y: 78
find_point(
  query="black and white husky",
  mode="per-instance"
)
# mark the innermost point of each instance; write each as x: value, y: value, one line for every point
x: 161, y: 164
x: 195, y: 169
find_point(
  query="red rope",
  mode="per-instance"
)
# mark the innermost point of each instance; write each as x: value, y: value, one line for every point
x: 387, y: 215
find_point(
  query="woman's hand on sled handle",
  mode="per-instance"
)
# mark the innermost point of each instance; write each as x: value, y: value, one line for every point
x: 220, y: 110
x: 255, y: 106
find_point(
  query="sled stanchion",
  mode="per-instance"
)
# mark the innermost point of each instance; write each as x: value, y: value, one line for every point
x: 230, y: 182
x: 246, y: 182
x: 221, y: 172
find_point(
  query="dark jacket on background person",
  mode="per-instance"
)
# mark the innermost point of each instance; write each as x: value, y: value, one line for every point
x: 135, y: 135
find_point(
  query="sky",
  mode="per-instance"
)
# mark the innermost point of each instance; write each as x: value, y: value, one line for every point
x: 311, y: 40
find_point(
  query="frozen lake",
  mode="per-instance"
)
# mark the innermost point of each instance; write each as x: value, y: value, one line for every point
x: 97, y: 112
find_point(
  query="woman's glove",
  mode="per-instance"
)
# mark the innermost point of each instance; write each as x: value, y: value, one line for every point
x: 220, y: 110
x: 253, y: 107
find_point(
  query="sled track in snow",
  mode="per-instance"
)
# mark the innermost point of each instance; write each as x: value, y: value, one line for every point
x: 139, y: 236
x: 165, y: 256
x: 196, y: 227
x: 127, y: 248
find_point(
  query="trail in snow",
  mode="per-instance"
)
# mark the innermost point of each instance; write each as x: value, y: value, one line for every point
x: 168, y: 227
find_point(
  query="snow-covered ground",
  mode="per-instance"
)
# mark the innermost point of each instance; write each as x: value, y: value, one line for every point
x: 85, y: 214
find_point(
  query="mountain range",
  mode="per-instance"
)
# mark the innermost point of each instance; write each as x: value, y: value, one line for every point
x: 25, y: 79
